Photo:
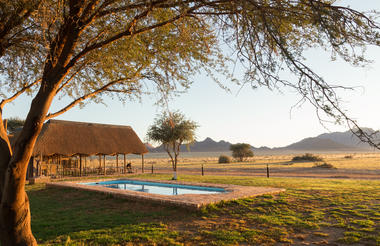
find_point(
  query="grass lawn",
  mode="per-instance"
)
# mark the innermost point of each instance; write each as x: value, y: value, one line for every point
x: 314, y: 211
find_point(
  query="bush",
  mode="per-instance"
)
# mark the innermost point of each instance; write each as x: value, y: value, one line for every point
x: 307, y: 157
x: 348, y: 157
x: 224, y: 159
x: 325, y: 165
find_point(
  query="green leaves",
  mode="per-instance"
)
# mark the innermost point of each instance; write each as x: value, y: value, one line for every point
x: 241, y: 151
x: 171, y: 129
x: 156, y: 47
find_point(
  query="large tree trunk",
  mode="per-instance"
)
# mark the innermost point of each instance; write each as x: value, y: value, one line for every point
x: 5, y: 153
x: 14, y: 207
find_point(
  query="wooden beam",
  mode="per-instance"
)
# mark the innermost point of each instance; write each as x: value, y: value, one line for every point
x: 85, y: 165
x: 142, y: 163
x: 39, y: 165
x: 125, y: 163
x: 60, y: 166
x: 80, y: 165
x: 100, y: 164
x: 117, y: 163
x: 104, y: 164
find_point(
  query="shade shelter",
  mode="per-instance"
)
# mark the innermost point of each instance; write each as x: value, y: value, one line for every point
x: 61, y: 139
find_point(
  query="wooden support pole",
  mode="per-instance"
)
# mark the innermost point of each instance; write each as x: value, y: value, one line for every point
x: 104, y: 164
x: 80, y: 165
x: 39, y: 165
x: 48, y: 167
x: 125, y: 163
x: 85, y: 165
x: 117, y: 163
x: 100, y: 164
x: 60, y: 167
x: 142, y: 163
x: 34, y: 167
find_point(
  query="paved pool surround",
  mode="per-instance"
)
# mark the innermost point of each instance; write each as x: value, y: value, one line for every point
x: 189, y: 201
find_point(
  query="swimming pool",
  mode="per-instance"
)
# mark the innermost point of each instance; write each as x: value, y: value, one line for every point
x: 191, y: 200
x: 157, y: 188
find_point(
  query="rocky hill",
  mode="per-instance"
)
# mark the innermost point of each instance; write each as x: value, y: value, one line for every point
x: 327, y: 142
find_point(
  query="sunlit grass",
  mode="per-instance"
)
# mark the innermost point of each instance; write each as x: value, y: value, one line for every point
x: 310, y: 210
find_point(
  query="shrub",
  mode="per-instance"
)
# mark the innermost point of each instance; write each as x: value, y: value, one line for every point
x: 224, y: 159
x: 348, y: 157
x: 307, y: 157
x: 325, y: 165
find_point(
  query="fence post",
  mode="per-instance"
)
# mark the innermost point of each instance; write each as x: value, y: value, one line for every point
x: 152, y: 168
x: 267, y: 171
x: 202, y: 170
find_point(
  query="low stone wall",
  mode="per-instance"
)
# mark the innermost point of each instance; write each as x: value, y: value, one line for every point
x: 190, y: 201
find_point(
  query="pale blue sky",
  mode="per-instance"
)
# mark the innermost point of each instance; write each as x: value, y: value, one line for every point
x: 259, y: 117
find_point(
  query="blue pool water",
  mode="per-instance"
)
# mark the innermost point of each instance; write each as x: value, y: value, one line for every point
x: 157, y: 188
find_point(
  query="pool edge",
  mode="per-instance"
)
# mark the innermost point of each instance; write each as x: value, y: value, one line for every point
x: 188, y: 201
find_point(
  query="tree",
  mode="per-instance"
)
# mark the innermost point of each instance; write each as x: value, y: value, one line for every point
x: 241, y: 151
x: 86, y: 49
x: 172, y: 130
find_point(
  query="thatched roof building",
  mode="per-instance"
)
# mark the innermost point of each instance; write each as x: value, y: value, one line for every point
x: 68, y: 138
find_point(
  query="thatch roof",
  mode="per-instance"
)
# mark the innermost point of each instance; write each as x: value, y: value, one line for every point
x: 70, y: 138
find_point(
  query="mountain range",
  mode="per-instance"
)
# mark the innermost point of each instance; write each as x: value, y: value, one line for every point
x: 326, y: 142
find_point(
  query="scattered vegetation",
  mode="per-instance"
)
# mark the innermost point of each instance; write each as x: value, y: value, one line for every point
x: 324, y: 165
x: 224, y: 159
x: 241, y: 151
x: 318, y: 211
x: 307, y: 157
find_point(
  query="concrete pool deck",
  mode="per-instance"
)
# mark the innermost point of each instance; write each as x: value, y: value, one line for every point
x: 190, y: 201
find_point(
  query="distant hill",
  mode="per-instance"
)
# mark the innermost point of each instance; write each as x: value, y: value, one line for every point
x: 348, y: 138
x: 327, y: 142
x: 207, y: 145
x: 318, y: 144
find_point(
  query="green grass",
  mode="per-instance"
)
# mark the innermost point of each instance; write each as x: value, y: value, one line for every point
x: 310, y: 210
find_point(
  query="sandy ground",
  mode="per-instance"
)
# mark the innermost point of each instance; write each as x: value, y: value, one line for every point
x: 347, y: 165
x: 277, y: 172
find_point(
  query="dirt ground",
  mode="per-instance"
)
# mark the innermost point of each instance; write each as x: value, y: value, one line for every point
x: 276, y: 172
x: 345, y: 165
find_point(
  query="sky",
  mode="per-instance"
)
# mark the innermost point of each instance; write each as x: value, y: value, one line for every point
x: 259, y: 117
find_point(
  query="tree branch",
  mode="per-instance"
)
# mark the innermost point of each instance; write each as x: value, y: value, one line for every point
x: 71, y: 77
x: 95, y: 92
x: 18, y: 93
x: 128, y: 32
x: 20, y: 14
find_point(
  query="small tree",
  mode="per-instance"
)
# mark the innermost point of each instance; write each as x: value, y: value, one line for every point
x: 172, y: 130
x: 241, y: 151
